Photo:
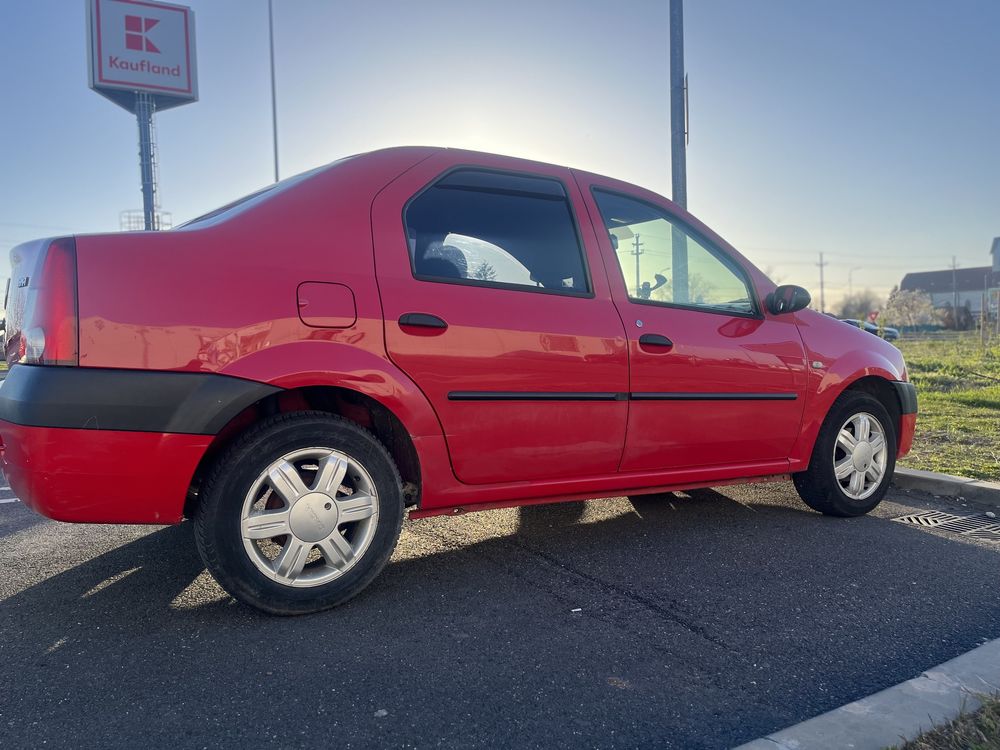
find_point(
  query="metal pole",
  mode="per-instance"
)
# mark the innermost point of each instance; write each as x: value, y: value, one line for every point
x: 274, y: 97
x: 144, y: 115
x: 637, y: 251
x: 822, y: 291
x: 954, y: 287
x: 678, y: 155
x: 678, y: 147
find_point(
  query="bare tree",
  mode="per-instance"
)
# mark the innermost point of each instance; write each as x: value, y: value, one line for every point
x: 484, y: 272
x: 909, y: 308
x: 772, y: 273
x: 859, y: 304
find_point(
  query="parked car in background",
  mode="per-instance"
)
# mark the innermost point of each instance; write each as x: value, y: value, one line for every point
x: 441, y: 330
x: 889, y: 334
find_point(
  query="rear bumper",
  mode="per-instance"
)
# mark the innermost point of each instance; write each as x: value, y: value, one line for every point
x: 100, y: 476
x: 111, y: 446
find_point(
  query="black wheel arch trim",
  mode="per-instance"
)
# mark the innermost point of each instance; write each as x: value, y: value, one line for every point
x: 91, y: 398
x: 907, y: 393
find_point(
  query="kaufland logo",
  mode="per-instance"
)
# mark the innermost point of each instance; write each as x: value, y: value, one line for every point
x: 137, y: 34
x: 137, y: 40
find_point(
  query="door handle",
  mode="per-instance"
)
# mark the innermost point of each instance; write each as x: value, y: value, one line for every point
x: 655, y: 339
x: 422, y: 320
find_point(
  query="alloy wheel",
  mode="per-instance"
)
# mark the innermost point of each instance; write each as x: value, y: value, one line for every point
x: 309, y: 517
x: 860, y: 456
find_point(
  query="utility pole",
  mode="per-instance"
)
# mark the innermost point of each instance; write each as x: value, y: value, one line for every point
x: 637, y: 251
x: 954, y: 287
x: 822, y: 297
x: 274, y: 98
x: 678, y: 147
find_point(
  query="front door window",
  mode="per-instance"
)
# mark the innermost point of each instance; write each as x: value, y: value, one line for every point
x: 664, y: 262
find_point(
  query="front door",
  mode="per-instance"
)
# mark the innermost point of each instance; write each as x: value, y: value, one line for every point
x: 496, y: 304
x: 715, y: 381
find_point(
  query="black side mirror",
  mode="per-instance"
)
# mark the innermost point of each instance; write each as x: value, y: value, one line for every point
x: 787, y: 298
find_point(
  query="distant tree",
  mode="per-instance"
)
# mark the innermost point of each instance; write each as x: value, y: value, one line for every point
x: 772, y: 273
x: 908, y: 308
x: 484, y: 272
x: 858, y: 304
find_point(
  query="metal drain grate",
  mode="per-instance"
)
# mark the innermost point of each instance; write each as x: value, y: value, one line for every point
x: 977, y: 525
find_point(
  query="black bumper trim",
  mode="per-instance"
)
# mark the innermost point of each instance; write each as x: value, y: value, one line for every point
x: 907, y: 393
x: 90, y: 398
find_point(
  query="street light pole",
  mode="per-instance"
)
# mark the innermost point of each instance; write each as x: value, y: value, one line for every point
x: 274, y: 98
x: 678, y: 148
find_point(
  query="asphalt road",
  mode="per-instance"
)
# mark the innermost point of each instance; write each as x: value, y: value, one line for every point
x: 704, y: 621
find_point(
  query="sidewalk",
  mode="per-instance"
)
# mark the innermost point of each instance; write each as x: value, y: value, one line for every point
x: 899, y: 713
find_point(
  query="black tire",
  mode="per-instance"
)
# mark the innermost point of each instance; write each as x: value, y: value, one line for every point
x: 818, y: 485
x: 218, y: 516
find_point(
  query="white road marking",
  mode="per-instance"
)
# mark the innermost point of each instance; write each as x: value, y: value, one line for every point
x: 9, y: 500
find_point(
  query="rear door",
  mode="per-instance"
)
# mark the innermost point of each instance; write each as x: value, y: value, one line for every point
x: 715, y: 381
x: 497, y: 305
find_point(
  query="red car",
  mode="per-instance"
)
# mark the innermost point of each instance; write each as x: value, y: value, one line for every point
x: 427, y: 328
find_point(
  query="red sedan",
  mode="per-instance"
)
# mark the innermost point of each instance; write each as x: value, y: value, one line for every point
x: 427, y: 328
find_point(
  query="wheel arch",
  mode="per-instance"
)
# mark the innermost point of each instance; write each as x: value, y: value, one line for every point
x: 347, y: 380
x: 875, y: 378
x: 353, y: 405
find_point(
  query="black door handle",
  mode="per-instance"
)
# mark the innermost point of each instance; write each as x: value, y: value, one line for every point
x: 654, y: 339
x: 422, y: 320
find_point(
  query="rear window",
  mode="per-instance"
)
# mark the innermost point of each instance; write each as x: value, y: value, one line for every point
x: 248, y: 201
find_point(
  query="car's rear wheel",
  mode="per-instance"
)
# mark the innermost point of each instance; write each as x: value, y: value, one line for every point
x: 853, y: 459
x: 300, y: 514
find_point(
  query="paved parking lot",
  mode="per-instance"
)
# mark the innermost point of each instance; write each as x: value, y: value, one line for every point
x: 704, y: 621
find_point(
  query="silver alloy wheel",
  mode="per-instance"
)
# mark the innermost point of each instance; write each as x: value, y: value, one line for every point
x: 860, y: 456
x: 309, y: 517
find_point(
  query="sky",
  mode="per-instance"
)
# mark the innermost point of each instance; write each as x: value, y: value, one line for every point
x: 866, y: 130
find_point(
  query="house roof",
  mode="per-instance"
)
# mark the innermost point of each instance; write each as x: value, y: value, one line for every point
x: 966, y: 279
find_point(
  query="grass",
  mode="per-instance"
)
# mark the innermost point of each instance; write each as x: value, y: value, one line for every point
x: 979, y: 730
x: 958, y: 390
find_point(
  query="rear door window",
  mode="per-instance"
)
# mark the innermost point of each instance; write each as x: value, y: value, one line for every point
x: 496, y: 229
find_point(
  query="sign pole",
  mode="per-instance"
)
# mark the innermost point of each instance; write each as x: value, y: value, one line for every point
x: 144, y: 108
x: 274, y: 96
x: 678, y: 146
x: 142, y: 58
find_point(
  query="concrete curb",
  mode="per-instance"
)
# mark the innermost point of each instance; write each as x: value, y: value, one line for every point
x: 905, y: 711
x: 976, y: 490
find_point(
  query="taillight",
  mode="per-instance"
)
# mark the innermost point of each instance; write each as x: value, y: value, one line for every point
x: 50, y: 331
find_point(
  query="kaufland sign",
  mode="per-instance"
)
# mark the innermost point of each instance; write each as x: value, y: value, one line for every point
x: 142, y: 45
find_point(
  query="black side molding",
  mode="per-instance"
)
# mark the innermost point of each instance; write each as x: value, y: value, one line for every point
x: 607, y: 396
x: 90, y: 398
x: 533, y: 396
x: 685, y: 396
x: 907, y: 393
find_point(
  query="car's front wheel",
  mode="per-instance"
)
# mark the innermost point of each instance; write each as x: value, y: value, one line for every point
x: 300, y: 514
x: 853, y: 459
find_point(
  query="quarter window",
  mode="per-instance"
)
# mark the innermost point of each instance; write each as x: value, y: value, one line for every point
x: 663, y: 262
x: 496, y: 229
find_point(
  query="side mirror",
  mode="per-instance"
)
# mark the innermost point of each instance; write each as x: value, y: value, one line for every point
x: 787, y: 298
